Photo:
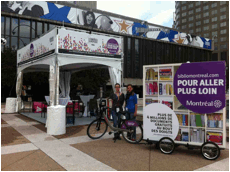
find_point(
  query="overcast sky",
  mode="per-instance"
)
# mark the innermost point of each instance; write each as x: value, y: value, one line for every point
x: 156, y: 12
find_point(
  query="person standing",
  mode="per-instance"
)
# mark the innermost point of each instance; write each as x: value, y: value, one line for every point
x: 118, y: 101
x: 131, y: 105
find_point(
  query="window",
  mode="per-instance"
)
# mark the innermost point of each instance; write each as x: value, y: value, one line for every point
x: 14, y: 42
x: 183, y: 27
x: 23, y: 42
x: 183, y: 8
x: 222, y: 17
x: 198, y: 10
x: 190, y: 12
x: 33, y: 30
x: 205, y: 7
x: 223, y: 31
x: 7, y: 26
x: 198, y: 23
x: 206, y: 35
x: 137, y: 58
x: 216, y: 47
x: 14, y: 25
x: 198, y: 29
x: 191, y: 31
x: 198, y: 3
x: 223, y: 9
x: 206, y: 14
x: 25, y: 28
x: 39, y: 28
x: 184, y: 20
x: 190, y: 19
x: 214, y: 26
x: 214, y: 33
x: 190, y: 6
x: 214, y: 5
x: 224, y: 46
x: 51, y: 26
x: 190, y: 25
x: 215, y: 40
x: 214, y: 12
x: 223, y: 56
x: 2, y: 24
x: 183, y: 2
x: 178, y: 28
x: 223, y: 24
x: 129, y: 57
x: 214, y: 19
x: 206, y: 21
x: 222, y: 2
x: 198, y: 16
x: 183, y: 14
x: 222, y: 39
x: 206, y: 28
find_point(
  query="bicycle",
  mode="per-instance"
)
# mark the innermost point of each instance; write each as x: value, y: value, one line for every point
x: 100, y: 126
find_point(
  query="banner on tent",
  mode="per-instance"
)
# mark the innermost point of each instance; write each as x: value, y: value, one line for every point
x: 73, y: 42
x: 37, y: 49
x: 92, y: 19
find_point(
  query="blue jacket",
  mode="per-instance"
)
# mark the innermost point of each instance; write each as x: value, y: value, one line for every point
x: 131, y: 102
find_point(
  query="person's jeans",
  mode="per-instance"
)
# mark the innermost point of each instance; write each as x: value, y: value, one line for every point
x: 132, y: 117
x: 116, y: 119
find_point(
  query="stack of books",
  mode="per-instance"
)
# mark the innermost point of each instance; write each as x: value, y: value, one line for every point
x: 197, y: 135
x: 183, y: 119
x: 165, y: 74
x: 215, y: 120
x: 168, y: 103
x: 165, y: 89
x: 151, y: 88
x: 151, y: 74
x: 149, y: 101
x: 197, y: 120
x: 215, y: 137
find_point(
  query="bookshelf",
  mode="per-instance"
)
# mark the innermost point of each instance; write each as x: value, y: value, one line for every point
x: 194, y: 128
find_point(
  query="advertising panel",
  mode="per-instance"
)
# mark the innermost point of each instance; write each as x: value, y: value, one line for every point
x: 73, y: 42
x: 38, y: 48
x: 159, y: 121
x: 92, y: 19
x: 200, y: 87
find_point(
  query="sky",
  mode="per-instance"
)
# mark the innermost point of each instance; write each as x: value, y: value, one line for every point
x: 156, y: 12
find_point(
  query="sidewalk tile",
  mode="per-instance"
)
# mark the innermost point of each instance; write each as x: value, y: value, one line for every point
x: 29, y: 161
x: 18, y: 148
x: 9, y: 136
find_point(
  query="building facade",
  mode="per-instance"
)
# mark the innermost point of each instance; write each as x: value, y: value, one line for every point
x: 153, y: 44
x: 209, y: 19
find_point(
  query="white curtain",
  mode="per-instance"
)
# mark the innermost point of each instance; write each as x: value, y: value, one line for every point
x: 19, y: 91
x: 115, y: 76
x: 64, y: 84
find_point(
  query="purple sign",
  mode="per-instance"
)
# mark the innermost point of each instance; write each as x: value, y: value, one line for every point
x: 200, y: 87
x: 112, y: 46
x: 31, y: 50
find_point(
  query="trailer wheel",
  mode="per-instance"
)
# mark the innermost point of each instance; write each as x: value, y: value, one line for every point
x: 166, y: 145
x: 210, y: 150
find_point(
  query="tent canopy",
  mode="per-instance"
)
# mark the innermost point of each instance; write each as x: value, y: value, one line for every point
x: 64, y: 49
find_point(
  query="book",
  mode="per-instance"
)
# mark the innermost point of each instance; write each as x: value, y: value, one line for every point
x: 198, y: 121
x: 165, y: 74
x: 160, y: 89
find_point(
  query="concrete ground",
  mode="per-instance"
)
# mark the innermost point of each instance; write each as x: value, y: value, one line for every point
x: 26, y: 146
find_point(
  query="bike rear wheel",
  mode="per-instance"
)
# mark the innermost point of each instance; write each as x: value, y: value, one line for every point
x: 129, y: 136
x: 97, y: 128
x: 210, y: 150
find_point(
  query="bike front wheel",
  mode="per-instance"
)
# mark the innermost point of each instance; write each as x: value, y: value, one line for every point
x: 210, y: 150
x: 133, y: 137
x: 166, y: 145
x: 97, y: 128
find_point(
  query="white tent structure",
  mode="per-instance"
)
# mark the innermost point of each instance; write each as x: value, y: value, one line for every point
x: 63, y: 51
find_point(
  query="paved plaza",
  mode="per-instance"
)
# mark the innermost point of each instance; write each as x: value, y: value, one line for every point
x: 26, y: 146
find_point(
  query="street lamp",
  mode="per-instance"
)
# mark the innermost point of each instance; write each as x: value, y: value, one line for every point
x: 110, y: 22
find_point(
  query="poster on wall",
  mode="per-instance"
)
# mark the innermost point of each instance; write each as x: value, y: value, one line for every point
x: 200, y: 87
x: 92, y: 19
x: 73, y: 42
x: 159, y: 121
x: 39, y: 48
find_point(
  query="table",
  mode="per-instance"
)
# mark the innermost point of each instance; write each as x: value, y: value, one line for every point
x: 62, y: 101
x: 85, y: 100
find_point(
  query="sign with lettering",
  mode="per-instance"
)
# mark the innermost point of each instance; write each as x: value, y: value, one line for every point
x: 159, y: 121
x: 200, y: 87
